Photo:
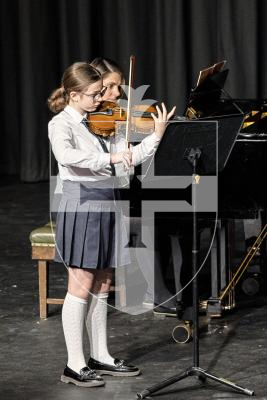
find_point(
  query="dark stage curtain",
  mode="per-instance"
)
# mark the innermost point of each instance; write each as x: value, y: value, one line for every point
x: 172, y: 40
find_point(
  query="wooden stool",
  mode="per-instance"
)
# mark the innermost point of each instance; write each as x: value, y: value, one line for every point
x: 43, y: 249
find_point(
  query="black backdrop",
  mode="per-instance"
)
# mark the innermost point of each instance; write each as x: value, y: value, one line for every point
x: 172, y: 40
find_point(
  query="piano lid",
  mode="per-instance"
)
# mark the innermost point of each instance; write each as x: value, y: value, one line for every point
x: 211, y: 78
x: 209, y: 98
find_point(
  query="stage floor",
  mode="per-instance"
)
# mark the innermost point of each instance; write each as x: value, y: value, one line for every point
x: 33, y: 351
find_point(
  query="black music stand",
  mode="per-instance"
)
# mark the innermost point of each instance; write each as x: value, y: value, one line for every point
x: 196, y: 147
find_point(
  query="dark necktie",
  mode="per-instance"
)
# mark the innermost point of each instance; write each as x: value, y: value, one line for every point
x: 102, y: 144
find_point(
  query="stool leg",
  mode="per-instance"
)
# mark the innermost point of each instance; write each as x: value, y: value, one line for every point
x: 42, y: 270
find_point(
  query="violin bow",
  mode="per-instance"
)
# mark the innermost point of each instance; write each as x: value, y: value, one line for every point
x: 129, y: 105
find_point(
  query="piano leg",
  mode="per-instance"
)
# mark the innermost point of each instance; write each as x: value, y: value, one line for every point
x: 221, y: 268
x: 182, y: 333
x: 177, y: 264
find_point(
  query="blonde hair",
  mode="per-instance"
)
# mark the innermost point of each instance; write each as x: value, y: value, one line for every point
x: 76, y: 78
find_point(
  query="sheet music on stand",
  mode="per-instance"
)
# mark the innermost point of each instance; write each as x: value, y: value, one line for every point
x: 208, y: 98
x: 207, y: 72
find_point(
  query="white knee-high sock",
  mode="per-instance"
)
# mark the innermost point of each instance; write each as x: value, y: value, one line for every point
x: 73, y: 317
x: 96, y: 323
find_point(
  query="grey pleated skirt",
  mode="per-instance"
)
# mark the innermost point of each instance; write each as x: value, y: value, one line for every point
x: 90, y: 228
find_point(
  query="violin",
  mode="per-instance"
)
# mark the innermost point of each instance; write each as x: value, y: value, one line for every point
x: 103, y: 121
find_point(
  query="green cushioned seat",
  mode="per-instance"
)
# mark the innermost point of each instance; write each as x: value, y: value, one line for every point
x: 43, y: 236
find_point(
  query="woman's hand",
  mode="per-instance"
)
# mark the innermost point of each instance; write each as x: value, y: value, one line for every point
x: 124, y: 156
x: 161, y: 121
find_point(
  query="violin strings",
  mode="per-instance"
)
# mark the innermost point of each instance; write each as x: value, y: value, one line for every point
x: 139, y: 113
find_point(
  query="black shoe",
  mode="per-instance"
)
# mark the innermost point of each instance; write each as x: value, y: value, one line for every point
x: 120, y: 368
x: 86, y: 378
x: 165, y: 311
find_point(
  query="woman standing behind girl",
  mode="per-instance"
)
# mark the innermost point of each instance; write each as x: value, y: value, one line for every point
x: 85, y: 234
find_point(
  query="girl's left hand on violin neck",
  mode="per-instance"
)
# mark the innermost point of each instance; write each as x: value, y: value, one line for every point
x: 161, y: 120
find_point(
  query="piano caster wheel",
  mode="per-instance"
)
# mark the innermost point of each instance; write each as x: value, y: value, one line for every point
x: 182, y: 333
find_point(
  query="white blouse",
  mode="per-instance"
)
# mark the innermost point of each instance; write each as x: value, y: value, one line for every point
x: 79, y: 153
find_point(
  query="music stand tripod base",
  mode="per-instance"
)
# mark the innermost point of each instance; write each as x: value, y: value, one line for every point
x: 193, y: 371
x: 193, y: 157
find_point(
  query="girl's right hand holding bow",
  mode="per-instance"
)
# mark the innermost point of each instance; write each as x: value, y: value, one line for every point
x: 123, y: 156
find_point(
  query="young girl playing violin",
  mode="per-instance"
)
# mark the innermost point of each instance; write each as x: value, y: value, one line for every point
x: 85, y: 234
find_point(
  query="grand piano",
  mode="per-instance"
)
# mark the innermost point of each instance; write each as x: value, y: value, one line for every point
x: 240, y: 182
x: 244, y: 176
